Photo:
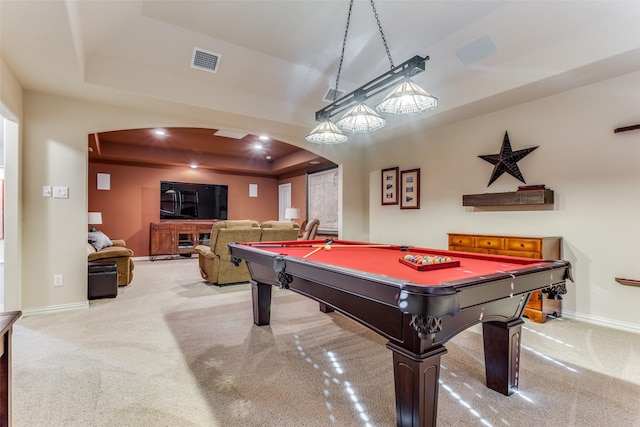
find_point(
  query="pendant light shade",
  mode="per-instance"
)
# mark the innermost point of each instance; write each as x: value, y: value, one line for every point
x: 326, y: 133
x: 407, y: 98
x: 360, y: 119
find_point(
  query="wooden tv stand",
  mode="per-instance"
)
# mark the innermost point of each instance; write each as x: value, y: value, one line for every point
x: 178, y: 237
x: 539, y: 305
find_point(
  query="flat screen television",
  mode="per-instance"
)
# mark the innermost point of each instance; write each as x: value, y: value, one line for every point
x: 184, y: 201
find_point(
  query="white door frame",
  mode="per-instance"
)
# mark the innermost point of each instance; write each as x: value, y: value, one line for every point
x: 284, y: 200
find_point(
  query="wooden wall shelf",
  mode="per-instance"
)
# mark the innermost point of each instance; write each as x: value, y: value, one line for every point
x: 628, y: 282
x: 526, y: 197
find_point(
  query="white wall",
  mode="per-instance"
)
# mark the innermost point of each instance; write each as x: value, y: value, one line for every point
x: 595, y: 175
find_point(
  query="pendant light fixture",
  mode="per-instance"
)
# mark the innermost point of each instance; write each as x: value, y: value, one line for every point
x: 406, y: 98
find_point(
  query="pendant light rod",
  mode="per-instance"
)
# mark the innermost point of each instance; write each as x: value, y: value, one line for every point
x: 408, y: 68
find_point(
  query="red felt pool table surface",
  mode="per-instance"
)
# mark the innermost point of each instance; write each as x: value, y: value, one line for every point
x: 384, y: 260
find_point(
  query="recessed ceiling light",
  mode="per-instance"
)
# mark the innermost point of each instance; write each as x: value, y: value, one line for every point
x: 268, y: 157
x: 160, y: 132
x: 193, y: 166
x: 263, y: 138
x: 257, y: 146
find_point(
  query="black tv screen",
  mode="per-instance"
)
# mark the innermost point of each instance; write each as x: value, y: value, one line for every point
x: 183, y: 200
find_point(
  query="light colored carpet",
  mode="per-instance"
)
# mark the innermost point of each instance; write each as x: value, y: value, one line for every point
x: 171, y: 350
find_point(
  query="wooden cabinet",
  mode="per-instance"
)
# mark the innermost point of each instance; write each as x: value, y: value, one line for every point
x: 178, y: 237
x: 539, y: 305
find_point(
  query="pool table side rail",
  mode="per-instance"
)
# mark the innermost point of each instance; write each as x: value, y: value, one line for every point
x: 525, y: 280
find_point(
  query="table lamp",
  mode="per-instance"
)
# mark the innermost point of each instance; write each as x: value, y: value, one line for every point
x: 93, y: 219
x: 292, y: 214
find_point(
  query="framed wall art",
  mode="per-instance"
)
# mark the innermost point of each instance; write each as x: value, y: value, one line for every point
x: 389, y: 186
x: 410, y: 189
x: 322, y: 199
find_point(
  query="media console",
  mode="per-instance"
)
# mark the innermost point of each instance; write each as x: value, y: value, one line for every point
x: 178, y: 237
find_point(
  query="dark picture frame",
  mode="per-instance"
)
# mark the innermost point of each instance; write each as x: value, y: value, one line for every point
x: 389, y: 186
x: 410, y: 189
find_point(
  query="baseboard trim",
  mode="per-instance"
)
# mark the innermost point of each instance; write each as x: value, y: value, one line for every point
x: 162, y: 258
x: 54, y: 308
x: 602, y: 321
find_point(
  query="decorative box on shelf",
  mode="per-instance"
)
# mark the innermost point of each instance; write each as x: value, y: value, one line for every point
x: 526, y: 195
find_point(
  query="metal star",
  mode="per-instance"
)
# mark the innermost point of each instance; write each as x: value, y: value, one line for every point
x: 506, y: 161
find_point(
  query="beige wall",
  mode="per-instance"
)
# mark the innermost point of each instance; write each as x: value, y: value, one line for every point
x: 55, y: 153
x: 593, y: 172
x: 11, y: 101
x: 595, y: 175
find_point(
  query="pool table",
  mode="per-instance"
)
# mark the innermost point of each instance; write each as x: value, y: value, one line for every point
x: 416, y: 307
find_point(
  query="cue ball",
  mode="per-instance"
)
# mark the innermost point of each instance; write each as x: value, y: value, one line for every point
x: 327, y: 247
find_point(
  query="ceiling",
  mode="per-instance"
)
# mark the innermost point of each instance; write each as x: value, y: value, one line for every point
x: 203, y: 148
x: 279, y: 58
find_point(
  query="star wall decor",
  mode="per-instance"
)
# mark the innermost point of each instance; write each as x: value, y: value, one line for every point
x: 506, y: 161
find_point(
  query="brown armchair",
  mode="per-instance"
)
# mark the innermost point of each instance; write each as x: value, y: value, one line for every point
x: 311, y: 229
x: 275, y: 231
x: 117, y: 253
x: 214, y: 260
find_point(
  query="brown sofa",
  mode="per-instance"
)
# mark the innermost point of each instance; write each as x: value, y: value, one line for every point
x: 276, y: 231
x: 117, y: 253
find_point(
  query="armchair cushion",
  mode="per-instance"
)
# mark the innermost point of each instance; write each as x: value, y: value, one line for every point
x: 99, y: 240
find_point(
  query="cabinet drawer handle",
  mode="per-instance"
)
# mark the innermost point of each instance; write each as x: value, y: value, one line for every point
x: 522, y: 245
x: 488, y: 243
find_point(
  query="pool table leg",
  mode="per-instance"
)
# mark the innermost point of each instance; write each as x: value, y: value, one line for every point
x: 261, y: 297
x: 502, y: 354
x: 416, y: 383
x: 324, y: 308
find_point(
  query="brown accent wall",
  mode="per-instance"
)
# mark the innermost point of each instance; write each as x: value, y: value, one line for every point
x: 298, y: 194
x: 133, y: 202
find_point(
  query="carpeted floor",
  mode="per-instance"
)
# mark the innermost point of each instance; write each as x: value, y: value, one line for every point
x: 171, y: 350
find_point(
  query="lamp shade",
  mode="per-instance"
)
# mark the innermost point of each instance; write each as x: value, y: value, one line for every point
x: 95, y: 218
x: 326, y: 133
x: 407, y: 98
x: 360, y: 119
x: 292, y: 213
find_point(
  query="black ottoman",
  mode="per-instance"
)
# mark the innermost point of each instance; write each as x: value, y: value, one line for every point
x: 103, y: 280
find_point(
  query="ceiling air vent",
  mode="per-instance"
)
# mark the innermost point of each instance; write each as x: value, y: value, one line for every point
x: 333, y: 95
x: 205, y: 60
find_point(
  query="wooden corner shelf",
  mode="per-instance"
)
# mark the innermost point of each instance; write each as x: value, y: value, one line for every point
x: 526, y: 197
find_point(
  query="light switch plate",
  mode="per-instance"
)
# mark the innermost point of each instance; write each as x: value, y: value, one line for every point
x: 61, y: 192
x: 46, y: 191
